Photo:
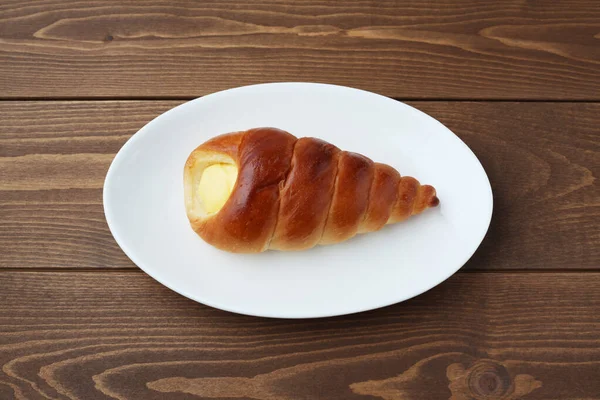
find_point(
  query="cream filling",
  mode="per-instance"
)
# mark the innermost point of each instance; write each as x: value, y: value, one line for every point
x: 215, y: 187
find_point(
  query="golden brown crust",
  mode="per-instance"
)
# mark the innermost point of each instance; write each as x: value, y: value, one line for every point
x: 291, y: 194
x: 413, y: 198
x: 228, y: 143
x: 426, y: 198
x: 407, y: 192
x: 247, y: 220
x: 350, y: 198
x: 383, y: 196
x: 306, y: 195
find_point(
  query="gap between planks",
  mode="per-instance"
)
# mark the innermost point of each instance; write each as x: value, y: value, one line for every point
x: 188, y: 98
x: 138, y: 270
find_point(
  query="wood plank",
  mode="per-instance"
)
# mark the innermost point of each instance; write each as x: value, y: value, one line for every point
x: 479, y: 335
x: 53, y: 160
x: 463, y: 49
x: 542, y: 160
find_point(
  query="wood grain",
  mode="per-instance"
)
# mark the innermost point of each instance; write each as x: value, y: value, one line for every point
x: 79, y: 321
x: 122, y: 335
x: 465, y: 49
x: 542, y: 160
x: 53, y: 160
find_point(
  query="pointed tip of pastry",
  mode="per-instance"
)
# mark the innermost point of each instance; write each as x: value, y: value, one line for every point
x: 426, y: 198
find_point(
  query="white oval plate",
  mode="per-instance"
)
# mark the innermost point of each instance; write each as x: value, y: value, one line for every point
x: 143, y: 203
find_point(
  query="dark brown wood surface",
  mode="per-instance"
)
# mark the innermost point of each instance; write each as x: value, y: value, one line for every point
x: 467, y: 49
x: 542, y: 160
x: 122, y: 335
x: 518, y: 81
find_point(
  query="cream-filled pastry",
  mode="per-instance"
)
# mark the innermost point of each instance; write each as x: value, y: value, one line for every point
x: 261, y: 189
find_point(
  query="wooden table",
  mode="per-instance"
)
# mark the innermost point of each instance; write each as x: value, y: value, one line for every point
x: 518, y: 81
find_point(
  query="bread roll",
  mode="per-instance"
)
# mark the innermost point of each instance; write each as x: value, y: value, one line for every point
x: 247, y: 192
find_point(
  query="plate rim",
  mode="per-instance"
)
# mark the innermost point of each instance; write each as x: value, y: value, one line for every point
x: 301, y: 315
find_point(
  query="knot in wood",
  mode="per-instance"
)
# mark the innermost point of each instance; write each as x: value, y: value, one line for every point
x: 489, y: 380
